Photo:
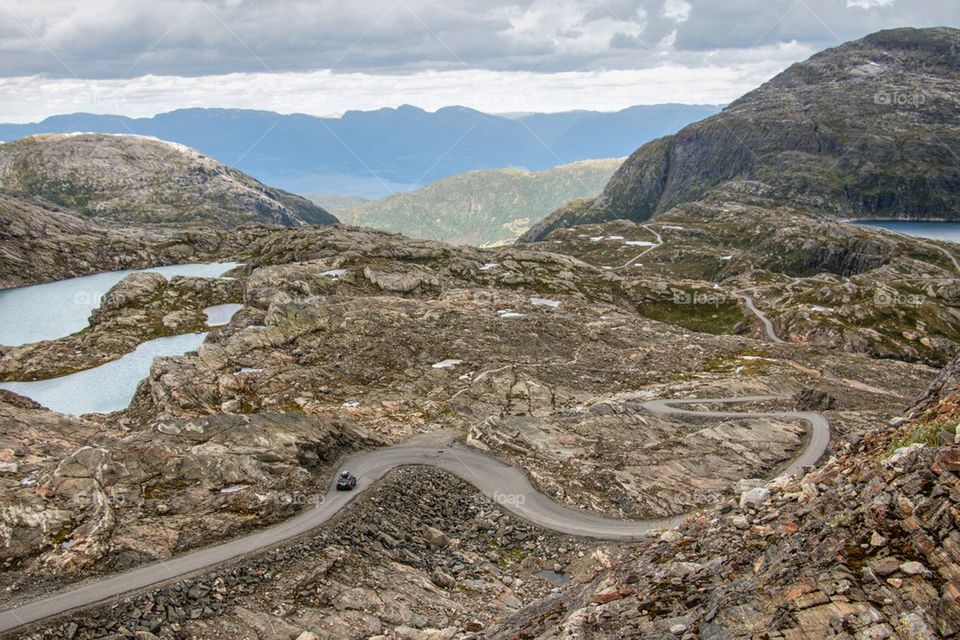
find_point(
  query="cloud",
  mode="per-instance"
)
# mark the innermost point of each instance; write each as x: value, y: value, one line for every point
x: 31, y: 98
x: 676, y: 10
x: 735, y: 24
x: 318, y: 56
x: 869, y: 4
x: 131, y: 38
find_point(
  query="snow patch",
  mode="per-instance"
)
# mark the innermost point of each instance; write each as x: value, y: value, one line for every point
x: 545, y: 302
x: 335, y: 273
x: 234, y: 488
x: 640, y: 243
x: 449, y: 362
x: 487, y: 266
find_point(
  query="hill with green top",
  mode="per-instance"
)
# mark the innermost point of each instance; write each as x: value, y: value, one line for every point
x: 486, y: 207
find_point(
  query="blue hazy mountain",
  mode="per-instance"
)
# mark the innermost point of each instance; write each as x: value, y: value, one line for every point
x: 372, y: 153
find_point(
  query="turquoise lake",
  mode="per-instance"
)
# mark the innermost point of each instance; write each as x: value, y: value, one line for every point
x: 57, y: 309
x: 109, y: 387
x: 949, y: 231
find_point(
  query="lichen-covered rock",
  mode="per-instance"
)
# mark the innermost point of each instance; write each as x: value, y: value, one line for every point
x: 137, y: 179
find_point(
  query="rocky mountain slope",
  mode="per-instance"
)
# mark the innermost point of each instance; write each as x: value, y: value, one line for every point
x: 352, y: 338
x: 817, y: 281
x: 491, y: 206
x: 135, y: 180
x: 864, y: 547
x: 41, y: 241
x: 870, y: 128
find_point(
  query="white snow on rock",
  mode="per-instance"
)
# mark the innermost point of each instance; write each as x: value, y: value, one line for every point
x: 334, y: 273
x: 509, y: 313
x: 487, y: 266
x: 449, y: 362
x: 353, y: 404
x: 234, y: 488
x: 640, y: 243
x: 545, y: 302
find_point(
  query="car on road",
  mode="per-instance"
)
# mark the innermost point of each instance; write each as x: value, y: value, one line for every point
x: 346, y: 481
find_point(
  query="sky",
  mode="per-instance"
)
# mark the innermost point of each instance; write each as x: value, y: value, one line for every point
x: 322, y: 57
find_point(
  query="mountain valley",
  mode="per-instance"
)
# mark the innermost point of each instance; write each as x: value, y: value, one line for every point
x: 809, y: 488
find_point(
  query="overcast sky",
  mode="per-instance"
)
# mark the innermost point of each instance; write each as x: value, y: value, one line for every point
x: 140, y: 57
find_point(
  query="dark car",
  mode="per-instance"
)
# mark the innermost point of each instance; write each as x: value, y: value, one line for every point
x: 346, y: 481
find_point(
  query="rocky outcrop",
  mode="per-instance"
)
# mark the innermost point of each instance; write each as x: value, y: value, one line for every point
x: 81, y: 498
x: 136, y: 179
x: 818, y: 281
x: 862, y: 548
x: 374, y: 575
x: 942, y: 398
x: 869, y: 128
x: 40, y: 241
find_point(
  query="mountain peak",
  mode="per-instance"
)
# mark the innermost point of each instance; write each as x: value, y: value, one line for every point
x: 870, y: 128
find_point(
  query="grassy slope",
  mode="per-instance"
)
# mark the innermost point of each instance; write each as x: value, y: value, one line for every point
x: 483, y: 207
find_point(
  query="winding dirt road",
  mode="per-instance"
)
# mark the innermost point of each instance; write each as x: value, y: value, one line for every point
x: 499, y: 482
x: 767, y: 325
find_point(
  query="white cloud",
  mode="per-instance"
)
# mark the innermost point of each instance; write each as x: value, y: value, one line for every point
x: 676, y: 10
x: 25, y: 99
x: 869, y: 4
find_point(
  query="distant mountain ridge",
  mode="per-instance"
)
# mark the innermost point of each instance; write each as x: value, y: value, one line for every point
x: 870, y: 128
x: 375, y: 153
x: 483, y: 207
x: 136, y: 180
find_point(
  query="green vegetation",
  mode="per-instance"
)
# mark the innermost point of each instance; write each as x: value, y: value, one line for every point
x: 487, y: 207
x: 705, y: 318
x: 927, y: 433
x: 748, y: 361
x: 335, y: 203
